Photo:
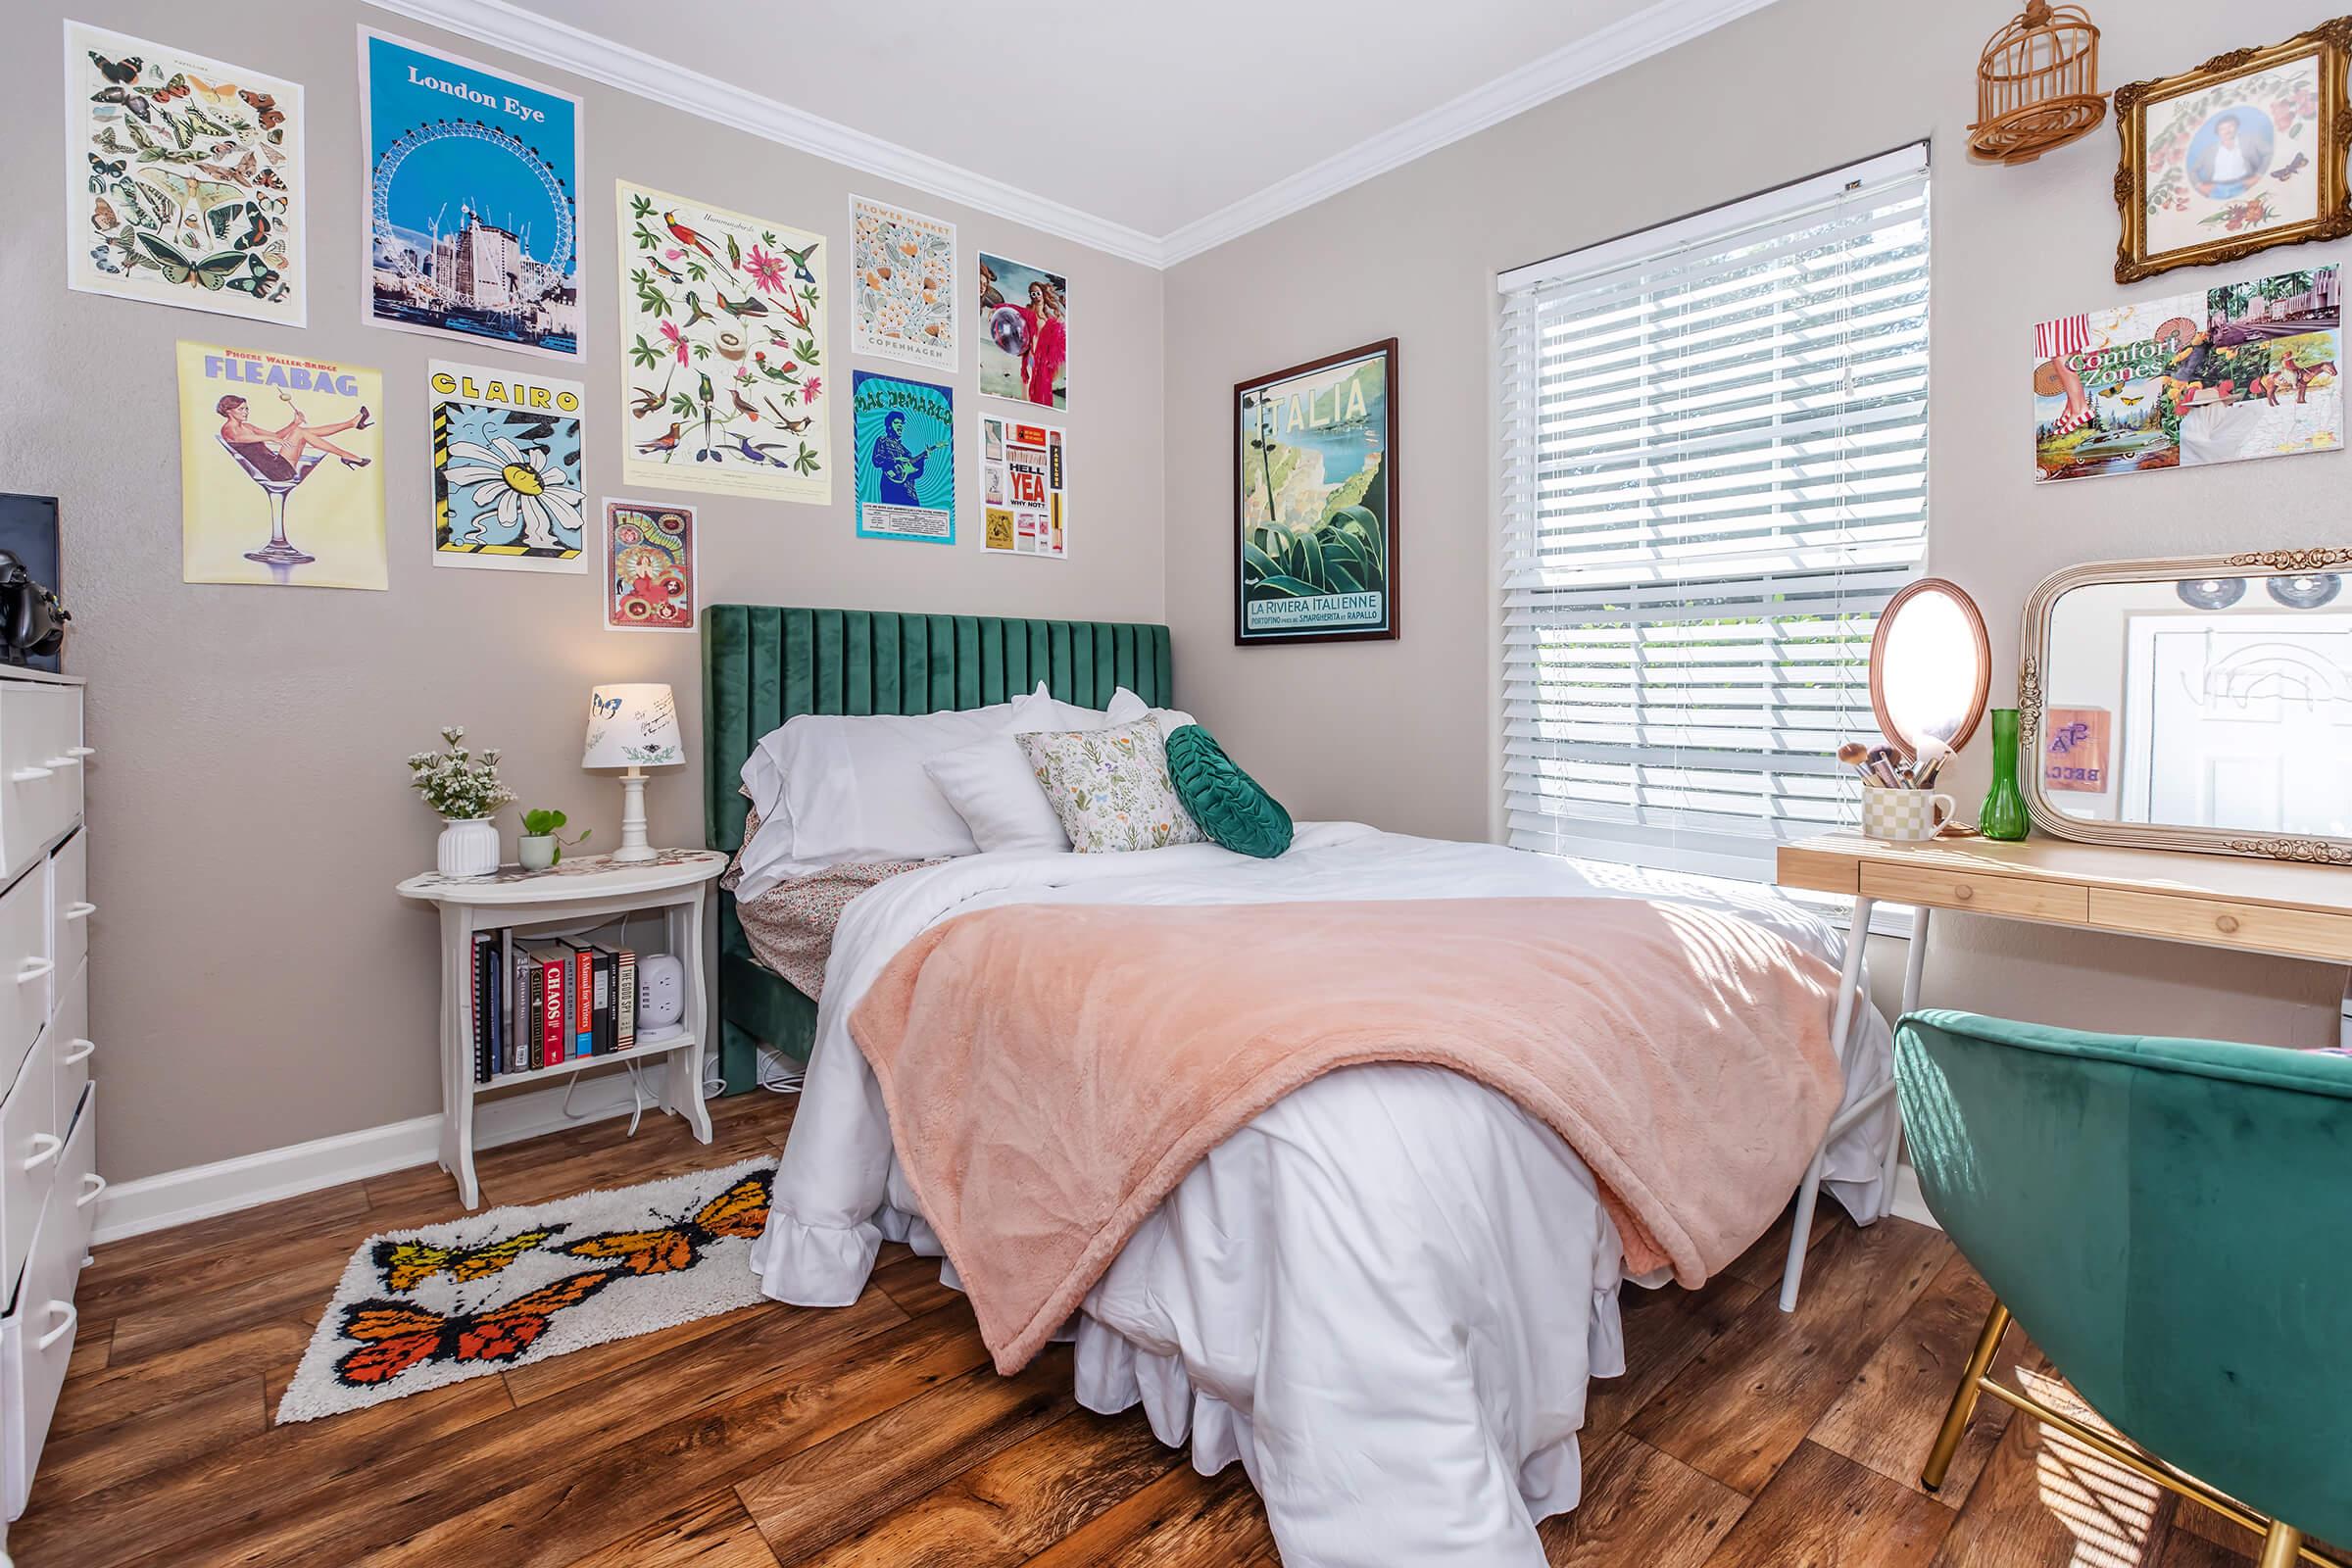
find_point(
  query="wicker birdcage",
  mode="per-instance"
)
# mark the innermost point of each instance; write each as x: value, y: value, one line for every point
x: 2037, y: 84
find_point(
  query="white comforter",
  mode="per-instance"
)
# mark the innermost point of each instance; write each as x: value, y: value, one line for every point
x: 1384, y: 1297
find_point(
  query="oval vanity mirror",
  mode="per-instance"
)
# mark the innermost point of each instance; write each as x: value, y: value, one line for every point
x: 1930, y: 667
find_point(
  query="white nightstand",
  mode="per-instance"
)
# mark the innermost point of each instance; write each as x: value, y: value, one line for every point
x: 576, y: 896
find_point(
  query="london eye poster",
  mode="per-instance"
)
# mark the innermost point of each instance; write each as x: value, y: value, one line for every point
x: 473, y: 212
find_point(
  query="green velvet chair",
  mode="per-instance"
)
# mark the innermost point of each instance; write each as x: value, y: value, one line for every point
x: 2171, y: 1220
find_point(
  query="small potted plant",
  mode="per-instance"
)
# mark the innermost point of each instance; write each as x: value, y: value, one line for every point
x: 464, y: 791
x: 541, y: 845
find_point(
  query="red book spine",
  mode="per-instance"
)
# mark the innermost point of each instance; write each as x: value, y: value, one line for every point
x: 555, y: 1030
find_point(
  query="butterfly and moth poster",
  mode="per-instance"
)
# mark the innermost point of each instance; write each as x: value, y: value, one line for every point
x: 902, y: 285
x: 1023, y: 501
x: 183, y: 179
x: 649, y: 566
x: 906, y: 448
x: 722, y: 327
x: 280, y: 478
x: 506, y: 456
x: 472, y: 211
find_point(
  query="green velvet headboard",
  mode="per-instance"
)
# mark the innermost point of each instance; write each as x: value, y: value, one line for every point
x: 763, y: 665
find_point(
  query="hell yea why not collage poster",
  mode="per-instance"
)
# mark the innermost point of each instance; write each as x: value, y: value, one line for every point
x: 473, y: 220
x: 722, y: 319
x: 183, y: 179
x: 507, y: 454
x: 905, y: 446
x: 1022, y: 496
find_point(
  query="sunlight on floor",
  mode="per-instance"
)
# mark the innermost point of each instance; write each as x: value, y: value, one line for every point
x: 2109, y: 1510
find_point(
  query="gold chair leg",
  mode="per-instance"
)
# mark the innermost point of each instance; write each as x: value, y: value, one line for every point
x: 1964, y: 1400
x: 2282, y: 1547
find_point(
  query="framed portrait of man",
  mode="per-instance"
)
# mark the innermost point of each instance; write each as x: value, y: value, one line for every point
x: 2243, y: 153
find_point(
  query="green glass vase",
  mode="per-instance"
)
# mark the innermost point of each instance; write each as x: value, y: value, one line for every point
x: 2004, y: 814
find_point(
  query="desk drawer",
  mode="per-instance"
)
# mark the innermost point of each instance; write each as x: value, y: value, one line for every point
x: 1938, y: 889
x: 69, y: 905
x: 78, y: 1184
x: 36, y: 1341
x: 2217, y: 924
x: 25, y: 968
x: 40, y: 769
x: 68, y: 1044
x: 29, y: 1147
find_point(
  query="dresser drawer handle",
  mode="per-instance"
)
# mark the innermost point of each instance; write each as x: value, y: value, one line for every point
x: 33, y: 970
x: 48, y: 1146
x: 78, y: 1049
x: 81, y: 911
x: 72, y: 1316
x: 93, y: 1188
x: 67, y: 761
x: 78, y: 752
x: 2227, y: 922
x: 1963, y: 892
x: 26, y: 775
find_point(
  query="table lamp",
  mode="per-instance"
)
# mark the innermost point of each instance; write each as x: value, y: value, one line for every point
x: 636, y: 727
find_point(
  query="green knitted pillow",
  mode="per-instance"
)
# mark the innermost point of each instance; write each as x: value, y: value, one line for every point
x: 1230, y: 806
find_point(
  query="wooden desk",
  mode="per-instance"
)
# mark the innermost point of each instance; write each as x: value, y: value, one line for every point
x: 2294, y: 909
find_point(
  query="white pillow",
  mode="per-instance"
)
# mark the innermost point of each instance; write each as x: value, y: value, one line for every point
x: 1126, y: 708
x: 831, y: 788
x: 992, y: 786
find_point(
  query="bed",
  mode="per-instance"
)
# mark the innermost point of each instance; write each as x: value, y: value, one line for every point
x: 1384, y: 1296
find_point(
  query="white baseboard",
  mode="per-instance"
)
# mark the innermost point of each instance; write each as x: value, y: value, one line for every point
x: 1908, y: 1203
x: 200, y: 1192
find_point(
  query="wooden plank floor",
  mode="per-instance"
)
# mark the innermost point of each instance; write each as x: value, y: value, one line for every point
x: 878, y: 1434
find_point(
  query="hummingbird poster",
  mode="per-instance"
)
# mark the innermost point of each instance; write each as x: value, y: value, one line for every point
x: 280, y: 478
x: 183, y: 179
x: 905, y: 438
x: 902, y: 285
x: 507, y: 475
x: 472, y: 224
x: 723, y: 328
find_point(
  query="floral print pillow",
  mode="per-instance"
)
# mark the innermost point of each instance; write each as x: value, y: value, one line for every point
x: 1110, y: 788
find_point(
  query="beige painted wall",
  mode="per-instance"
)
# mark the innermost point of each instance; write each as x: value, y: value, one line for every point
x: 1401, y: 733
x: 257, y: 982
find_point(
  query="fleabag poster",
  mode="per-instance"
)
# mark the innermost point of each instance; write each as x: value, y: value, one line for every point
x: 2221, y: 376
x: 473, y: 200
x: 279, y: 483
x: 506, y: 456
x: 1022, y: 496
x: 906, y: 443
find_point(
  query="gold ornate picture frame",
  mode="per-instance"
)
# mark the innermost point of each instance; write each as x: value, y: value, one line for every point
x: 2243, y: 153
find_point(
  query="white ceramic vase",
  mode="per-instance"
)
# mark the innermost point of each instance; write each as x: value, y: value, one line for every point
x: 469, y: 847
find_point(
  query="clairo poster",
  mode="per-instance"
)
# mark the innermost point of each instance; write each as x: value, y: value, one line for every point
x: 1023, y: 501
x: 2222, y: 374
x: 649, y: 566
x: 472, y: 220
x: 905, y: 445
x: 1316, y: 501
x: 723, y: 328
x: 1024, y: 337
x: 901, y: 285
x: 183, y: 179
x: 280, y: 479
x: 506, y: 456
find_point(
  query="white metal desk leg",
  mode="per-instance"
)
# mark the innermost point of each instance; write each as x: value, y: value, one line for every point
x: 1913, y: 964
x: 1850, y: 985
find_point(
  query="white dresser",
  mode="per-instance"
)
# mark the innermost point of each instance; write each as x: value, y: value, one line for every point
x: 49, y: 1183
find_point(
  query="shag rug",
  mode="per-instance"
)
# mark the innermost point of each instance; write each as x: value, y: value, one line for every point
x: 421, y: 1309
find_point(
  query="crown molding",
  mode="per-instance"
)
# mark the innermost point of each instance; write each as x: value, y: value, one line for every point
x: 504, y: 25
x: 1650, y: 31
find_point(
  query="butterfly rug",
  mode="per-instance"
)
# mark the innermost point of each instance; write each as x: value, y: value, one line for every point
x: 421, y: 1309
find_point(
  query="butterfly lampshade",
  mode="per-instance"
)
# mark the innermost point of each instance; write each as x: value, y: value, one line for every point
x: 634, y: 727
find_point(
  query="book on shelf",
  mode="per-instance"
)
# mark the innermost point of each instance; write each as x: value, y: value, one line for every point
x: 555, y: 961
x: 625, y: 999
x: 539, y: 1003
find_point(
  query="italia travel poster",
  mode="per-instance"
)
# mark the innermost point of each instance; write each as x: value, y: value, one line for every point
x: 1315, y: 502
x: 472, y: 211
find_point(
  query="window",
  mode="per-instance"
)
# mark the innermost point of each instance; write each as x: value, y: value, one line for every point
x: 1714, y: 476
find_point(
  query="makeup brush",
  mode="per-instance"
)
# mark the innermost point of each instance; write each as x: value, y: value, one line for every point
x: 1879, y: 764
x: 1933, y: 754
x: 1852, y: 753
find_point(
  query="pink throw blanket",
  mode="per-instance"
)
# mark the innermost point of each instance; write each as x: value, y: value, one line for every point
x: 1053, y: 1071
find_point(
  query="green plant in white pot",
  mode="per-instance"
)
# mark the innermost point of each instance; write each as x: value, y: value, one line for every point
x: 464, y: 791
x: 542, y: 844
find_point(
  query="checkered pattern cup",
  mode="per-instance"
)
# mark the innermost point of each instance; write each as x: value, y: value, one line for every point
x: 1905, y: 816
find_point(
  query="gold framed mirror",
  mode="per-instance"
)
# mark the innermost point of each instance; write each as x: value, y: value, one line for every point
x: 2194, y: 702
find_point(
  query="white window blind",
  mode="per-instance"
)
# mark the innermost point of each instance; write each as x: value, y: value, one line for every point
x: 1714, y: 476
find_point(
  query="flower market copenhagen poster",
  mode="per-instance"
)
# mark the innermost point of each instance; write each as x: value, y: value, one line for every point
x: 723, y: 328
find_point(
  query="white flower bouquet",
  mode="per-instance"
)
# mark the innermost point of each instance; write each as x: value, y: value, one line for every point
x: 455, y: 783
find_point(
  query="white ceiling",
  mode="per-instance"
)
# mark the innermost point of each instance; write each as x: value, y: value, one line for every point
x: 1152, y: 129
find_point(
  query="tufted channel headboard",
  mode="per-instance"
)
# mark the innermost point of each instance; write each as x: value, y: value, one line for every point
x: 763, y: 665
